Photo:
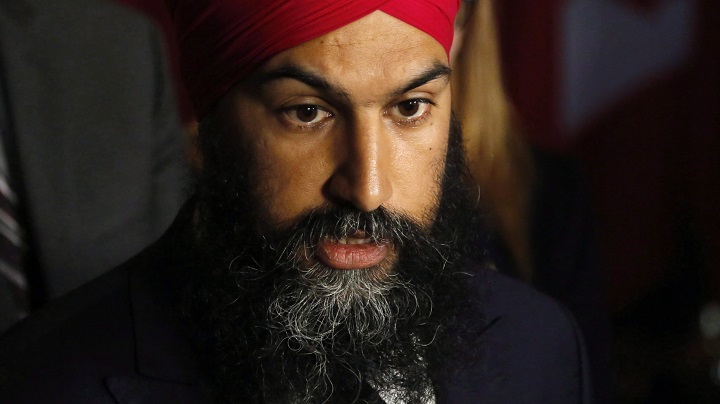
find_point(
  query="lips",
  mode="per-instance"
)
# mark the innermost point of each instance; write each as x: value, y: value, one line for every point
x: 356, y: 251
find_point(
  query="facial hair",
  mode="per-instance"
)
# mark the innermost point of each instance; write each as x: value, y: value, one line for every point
x: 277, y: 329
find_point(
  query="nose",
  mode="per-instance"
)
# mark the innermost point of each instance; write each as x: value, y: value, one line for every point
x: 361, y: 177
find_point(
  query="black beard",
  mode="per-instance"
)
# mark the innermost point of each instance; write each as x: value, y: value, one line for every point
x: 274, y: 330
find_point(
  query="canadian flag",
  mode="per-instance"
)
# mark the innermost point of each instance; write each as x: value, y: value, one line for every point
x: 633, y: 88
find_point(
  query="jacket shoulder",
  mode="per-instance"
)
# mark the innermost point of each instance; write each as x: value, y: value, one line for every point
x: 62, y: 352
x: 531, y: 350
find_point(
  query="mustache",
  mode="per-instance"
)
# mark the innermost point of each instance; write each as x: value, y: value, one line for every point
x: 381, y: 225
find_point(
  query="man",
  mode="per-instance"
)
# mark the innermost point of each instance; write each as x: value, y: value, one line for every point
x: 328, y: 254
x: 92, y: 143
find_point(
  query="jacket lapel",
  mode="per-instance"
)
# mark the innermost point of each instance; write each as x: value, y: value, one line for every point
x: 166, y: 363
x: 162, y: 349
x: 471, y: 378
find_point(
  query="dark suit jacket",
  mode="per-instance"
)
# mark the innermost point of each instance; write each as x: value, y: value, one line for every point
x: 117, y: 340
x: 95, y: 141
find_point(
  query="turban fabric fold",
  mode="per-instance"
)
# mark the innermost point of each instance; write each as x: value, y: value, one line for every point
x: 222, y: 41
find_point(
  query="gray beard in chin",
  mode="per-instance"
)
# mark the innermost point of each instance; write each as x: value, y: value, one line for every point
x: 336, y: 318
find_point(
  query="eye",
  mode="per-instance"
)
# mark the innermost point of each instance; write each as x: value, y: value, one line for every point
x: 409, y: 108
x: 306, y: 114
x: 411, y: 112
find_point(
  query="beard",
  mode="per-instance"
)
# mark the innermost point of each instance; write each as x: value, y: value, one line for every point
x: 276, y: 325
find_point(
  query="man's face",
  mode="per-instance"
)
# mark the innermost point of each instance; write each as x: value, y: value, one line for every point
x: 356, y: 118
x: 331, y: 215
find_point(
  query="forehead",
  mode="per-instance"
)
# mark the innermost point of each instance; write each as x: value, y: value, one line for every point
x: 377, y: 48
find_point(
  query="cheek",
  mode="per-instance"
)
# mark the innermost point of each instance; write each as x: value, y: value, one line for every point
x: 291, y: 179
x: 419, y: 174
x: 288, y: 172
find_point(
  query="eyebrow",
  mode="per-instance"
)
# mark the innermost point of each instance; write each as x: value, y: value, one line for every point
x: 438, y: 70
x: 295, y: 72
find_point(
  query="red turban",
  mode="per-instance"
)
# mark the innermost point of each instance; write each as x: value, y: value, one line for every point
x: 222, y: 41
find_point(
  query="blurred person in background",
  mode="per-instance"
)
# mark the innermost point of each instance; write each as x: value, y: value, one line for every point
x: 92, y: 148
x: 537, y: 199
